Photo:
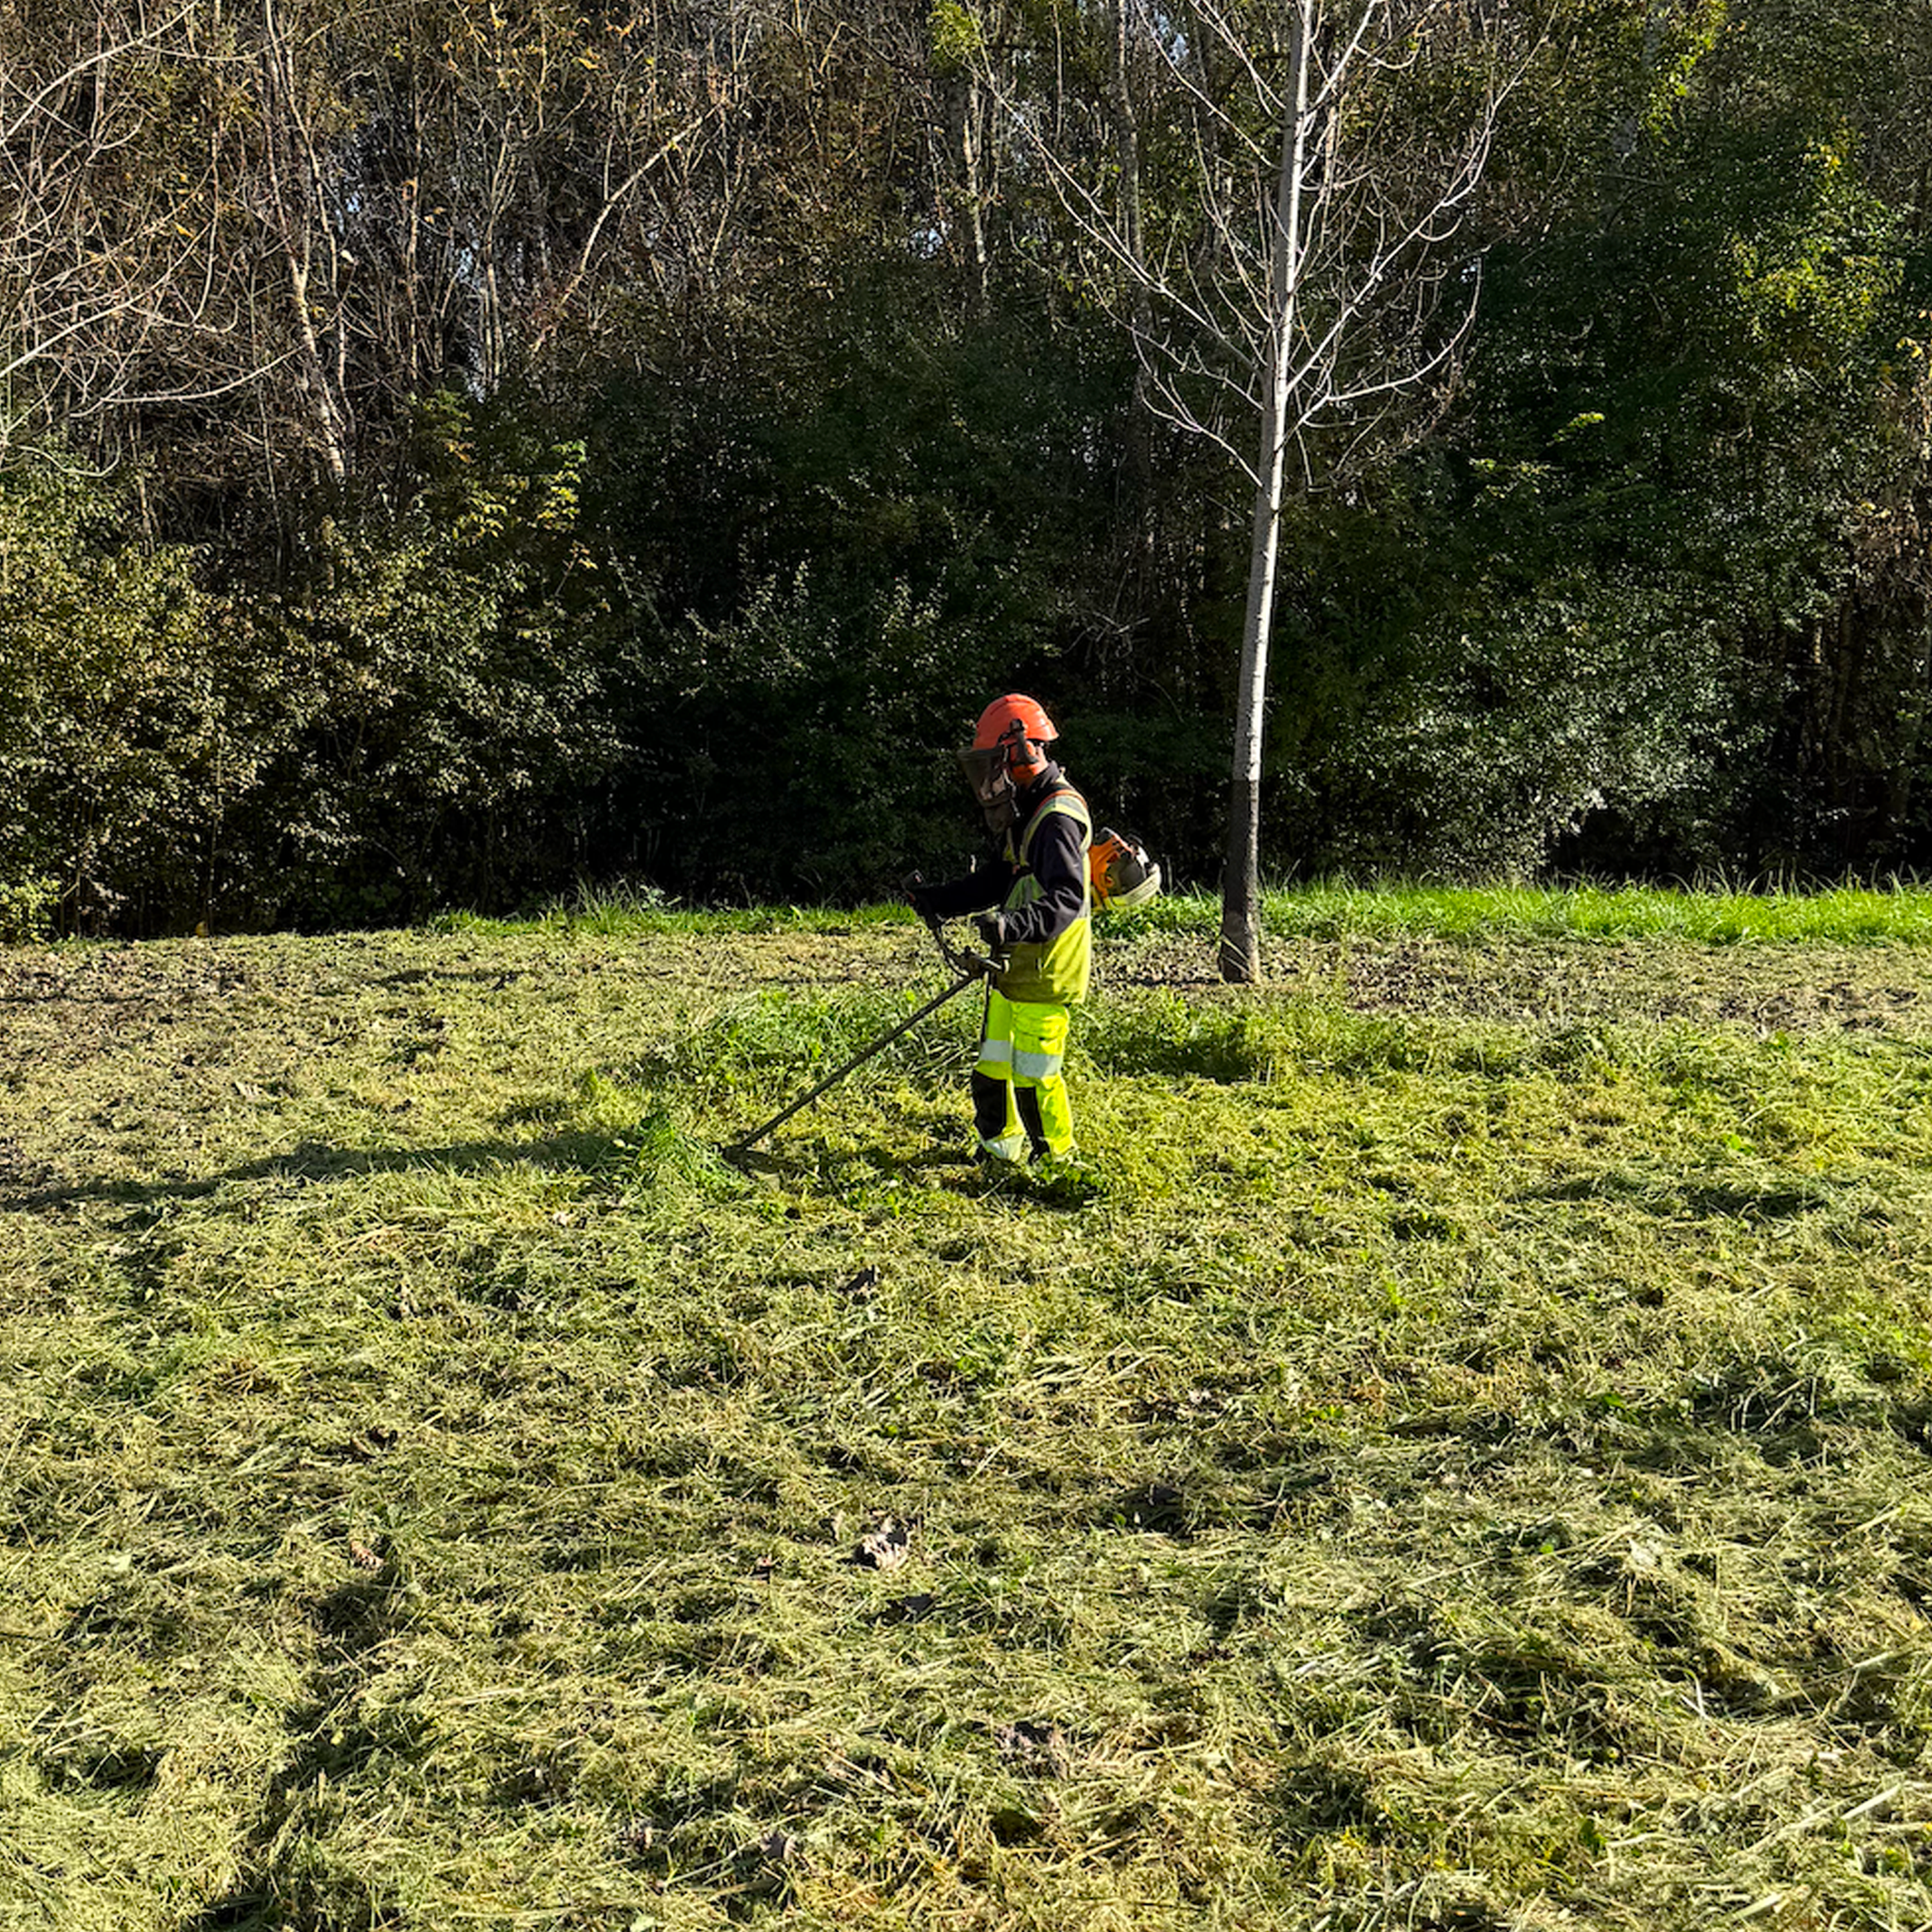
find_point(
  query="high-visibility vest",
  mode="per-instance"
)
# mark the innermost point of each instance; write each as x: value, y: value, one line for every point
x: 1054, y: 971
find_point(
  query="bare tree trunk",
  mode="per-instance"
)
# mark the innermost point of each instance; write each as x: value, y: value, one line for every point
x: 1138, y: 545
x: 972, y: 148
x: 1127, y: 146
x: 962, y: 98
x: 1240, y: 883
x: 1624, y: 144
x: 300, y: 222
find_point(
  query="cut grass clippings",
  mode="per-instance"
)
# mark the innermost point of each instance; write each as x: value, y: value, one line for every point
x: 1459, y: 1457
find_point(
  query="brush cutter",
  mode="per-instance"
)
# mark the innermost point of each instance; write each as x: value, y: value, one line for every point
x: 967, y: 968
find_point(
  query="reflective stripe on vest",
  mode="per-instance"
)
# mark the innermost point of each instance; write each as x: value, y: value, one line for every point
x: 1055, y: 971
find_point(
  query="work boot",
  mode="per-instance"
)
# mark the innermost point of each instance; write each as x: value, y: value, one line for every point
x: 1009, y: 1151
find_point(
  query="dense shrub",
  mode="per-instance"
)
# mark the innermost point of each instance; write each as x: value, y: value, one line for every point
x: 115, y: 735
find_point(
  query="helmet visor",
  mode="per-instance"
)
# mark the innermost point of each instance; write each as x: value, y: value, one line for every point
x: 986, y: 772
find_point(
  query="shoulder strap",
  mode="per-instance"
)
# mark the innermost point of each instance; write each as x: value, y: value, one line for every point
x: 1067, y: 800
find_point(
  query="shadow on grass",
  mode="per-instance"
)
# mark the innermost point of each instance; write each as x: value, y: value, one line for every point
x: 608, y: 1156
x: 1672, y: 1197
x: 313, y: 1162
x: 953, y: 1168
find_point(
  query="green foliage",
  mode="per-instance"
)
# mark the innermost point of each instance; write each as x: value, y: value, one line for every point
x: 831, y: 557
x: 402, y: 723
x: 956, y: 36
x: 660, y: 525
x: 115, y: 734
x: 27, y: 908
x: 1652, y: 624
x: 439, y: 673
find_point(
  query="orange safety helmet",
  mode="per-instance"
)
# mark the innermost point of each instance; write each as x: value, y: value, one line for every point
x: 1008, y: 719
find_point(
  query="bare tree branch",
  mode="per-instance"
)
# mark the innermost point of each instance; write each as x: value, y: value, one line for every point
x: 1290, y: 296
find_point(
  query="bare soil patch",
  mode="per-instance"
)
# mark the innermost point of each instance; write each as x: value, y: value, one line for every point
x: 1771, y: 988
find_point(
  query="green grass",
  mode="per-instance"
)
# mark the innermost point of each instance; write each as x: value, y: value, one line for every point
x: 1465, y: 1460
x: 1900, y: 915
x: 592, y: 912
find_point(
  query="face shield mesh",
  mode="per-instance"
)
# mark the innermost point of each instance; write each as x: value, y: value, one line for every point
x: 986, y: 772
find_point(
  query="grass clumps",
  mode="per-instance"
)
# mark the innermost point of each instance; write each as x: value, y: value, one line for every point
x: 1457, y: 1455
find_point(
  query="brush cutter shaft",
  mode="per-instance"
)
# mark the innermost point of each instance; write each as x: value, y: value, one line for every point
x: 938, y: 999
x: 971, y: 966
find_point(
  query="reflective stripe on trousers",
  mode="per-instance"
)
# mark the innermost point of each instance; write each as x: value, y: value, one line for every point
x: 1018, y: 1096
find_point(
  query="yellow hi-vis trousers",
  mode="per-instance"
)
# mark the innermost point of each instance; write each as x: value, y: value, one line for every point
x: 1019, y: 1099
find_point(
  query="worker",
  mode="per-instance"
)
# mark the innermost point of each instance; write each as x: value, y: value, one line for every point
x: 1034, y: 907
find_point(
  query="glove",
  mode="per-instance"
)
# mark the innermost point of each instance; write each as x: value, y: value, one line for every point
x: 992, y: 928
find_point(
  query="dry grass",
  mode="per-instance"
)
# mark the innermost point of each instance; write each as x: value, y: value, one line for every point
x: 1463, y: 1463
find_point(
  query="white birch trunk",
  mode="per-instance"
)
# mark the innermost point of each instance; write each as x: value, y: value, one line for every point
x: 1240, y: 884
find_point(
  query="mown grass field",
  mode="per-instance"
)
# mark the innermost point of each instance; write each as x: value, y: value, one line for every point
x: 1465, y: 1463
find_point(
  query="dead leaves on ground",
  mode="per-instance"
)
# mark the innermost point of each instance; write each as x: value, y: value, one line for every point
x: 885, y: 1547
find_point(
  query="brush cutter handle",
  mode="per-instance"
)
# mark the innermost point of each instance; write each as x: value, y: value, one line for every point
x: 974, y: 965
x: 980, y: 965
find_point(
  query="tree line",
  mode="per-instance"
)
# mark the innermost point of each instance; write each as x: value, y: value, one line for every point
x: 453, y: 449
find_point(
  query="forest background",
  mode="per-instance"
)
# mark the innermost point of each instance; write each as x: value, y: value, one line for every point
x: 454, y: 450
